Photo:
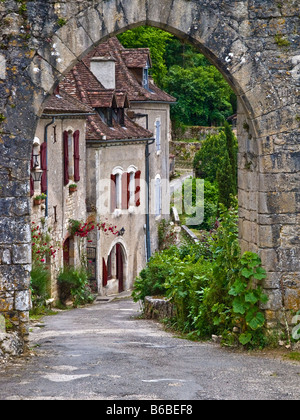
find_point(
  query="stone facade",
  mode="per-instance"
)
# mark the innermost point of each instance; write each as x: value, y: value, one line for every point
x: 254, y: 43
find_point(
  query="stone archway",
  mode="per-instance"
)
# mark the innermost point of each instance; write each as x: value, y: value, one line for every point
x: 254, y: 45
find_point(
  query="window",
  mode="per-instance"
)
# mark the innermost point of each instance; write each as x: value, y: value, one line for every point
x: 125, y: 188
x: 71, y: 149
x: 106, y: 115
x: 157, y: 134
x: 146, y: 78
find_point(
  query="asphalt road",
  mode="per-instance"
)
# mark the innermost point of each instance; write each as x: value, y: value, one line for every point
x: 104, y: 352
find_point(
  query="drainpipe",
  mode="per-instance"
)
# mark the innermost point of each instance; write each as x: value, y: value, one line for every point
x: 147, y: 154
x: 46, y: 141
x: 148, y: 242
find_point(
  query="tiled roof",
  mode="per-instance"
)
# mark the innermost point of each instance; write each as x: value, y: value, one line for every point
x: 126, y: 77
x: 62, y: 102
x: 90, y: 92
x: 136, y: 58
x: 83, y: 85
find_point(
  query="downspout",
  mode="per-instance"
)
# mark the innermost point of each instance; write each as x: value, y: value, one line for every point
x: 46, y: 141
x: 148, y: 242
x: 147, y: 154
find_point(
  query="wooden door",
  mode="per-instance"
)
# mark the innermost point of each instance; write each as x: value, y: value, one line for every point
x: 120, y: 267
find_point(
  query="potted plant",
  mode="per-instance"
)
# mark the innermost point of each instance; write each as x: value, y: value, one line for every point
x: 37, y: 200
x: 72, y: 188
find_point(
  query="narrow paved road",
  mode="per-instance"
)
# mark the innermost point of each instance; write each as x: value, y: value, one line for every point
x: 104, y: 352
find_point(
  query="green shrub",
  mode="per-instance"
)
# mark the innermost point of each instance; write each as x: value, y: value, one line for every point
x: 73, y: 284
x: 39, y: 286
x: 214, y: 288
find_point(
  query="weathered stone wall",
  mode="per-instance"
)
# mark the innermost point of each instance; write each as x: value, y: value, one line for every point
x: 158, y: 308
x: 254, y: 43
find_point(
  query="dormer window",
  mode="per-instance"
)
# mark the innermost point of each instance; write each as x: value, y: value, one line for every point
x: 106, y: 115
x: 146, y: 76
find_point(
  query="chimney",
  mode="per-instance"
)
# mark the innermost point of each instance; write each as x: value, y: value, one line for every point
x: 104, y: 68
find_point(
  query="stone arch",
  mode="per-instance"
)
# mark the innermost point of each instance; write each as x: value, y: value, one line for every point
x: 115, y: 264
x: 239, y: 39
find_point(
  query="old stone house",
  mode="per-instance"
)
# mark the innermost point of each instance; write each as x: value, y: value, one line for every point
x: 114, y: 129
x: 58, y: 161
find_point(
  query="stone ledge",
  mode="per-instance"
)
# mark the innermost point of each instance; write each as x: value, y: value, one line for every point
x: 158, y: 308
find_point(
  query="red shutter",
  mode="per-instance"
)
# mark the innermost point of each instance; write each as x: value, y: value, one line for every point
x: 43, y: 153
x: 128, y: 189
x: 137, y: 178
x: 66, y: 157
x: 125, y: 188
x: 113, y: 196
x: 104, y: 273
x: 31, y: 186
x: 44, y: 182
x: 76, y: 156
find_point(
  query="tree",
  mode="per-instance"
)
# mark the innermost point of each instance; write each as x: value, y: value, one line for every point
x: 208, y: 159
x: 156, y: 40
x: 203, y: 96
x: 225, y: 182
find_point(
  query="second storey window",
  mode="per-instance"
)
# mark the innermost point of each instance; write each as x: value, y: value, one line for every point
x: 71, y: 148
x: 125, y: 189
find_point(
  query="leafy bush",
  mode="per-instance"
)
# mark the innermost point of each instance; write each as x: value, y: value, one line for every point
x: 39, y: 286
x: 214, y: 288
x: 73, y: 284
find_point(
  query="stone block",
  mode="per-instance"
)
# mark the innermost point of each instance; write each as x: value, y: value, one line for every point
x: 21, y: 254
x: 268, y: 236
x: 6, y: 302
x: 277, y: 202
x: 2, y: 67
x: 269, y: 259
x: 275, y: 300
x: 22, y: 301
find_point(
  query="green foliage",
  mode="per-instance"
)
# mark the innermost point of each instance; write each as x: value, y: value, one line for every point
x: 150, y: 281
x: 73, y: 284
x: 211, y: 194
x: 214, y: 288
x: 209, y: 158
x: 39, y: 285
x: 226, y: 183
x: 281, y: 41
x: 156, y: 40
x: 216, y: 162
x: 203, y: 96
x: 247, y: 294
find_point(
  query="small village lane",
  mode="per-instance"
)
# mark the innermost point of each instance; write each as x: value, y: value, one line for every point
x: 105, y: 352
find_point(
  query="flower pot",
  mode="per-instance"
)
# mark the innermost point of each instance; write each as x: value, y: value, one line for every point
x: 72, y: 189
x: 37, y: 201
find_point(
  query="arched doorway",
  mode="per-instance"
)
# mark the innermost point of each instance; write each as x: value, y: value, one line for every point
x: 235, y: 38
x: 114, y: 269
